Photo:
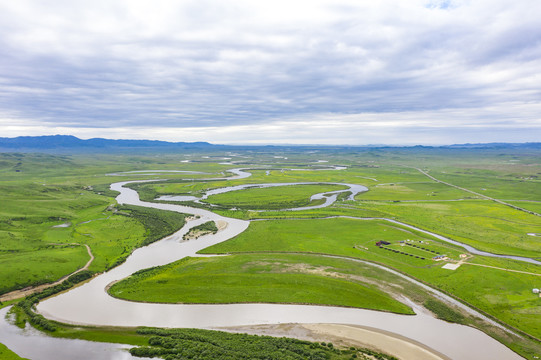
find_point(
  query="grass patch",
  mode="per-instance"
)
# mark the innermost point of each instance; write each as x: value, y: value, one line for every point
x: 443, y: 311
x: 37, y: 267
x: 500, y: 187
x: 404, y: 191
x: 6, y: 354
x: 158, y: 223
x: 483, y: 224
x: 504, y: 295
x: 208, y: 227
x: 280, y: 197
x: 337, y: 236
x: 254, y: 278
x: 208, y: 344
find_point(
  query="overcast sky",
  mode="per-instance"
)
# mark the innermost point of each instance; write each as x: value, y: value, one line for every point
x: 256, y: 71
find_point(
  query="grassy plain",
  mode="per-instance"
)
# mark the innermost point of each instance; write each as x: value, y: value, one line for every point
x: 21, y: 268
x: 253, y: 278
x: 504, y: 188
x: 504, y: 295
x: 281, y: 197
x: 338, y: 236
x: 481, y: 223
x: 6, y: 354
x: 413, y: 191
x: 39, y: 191
x: 51, y: 202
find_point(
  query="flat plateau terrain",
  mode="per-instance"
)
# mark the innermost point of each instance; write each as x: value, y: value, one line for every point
x: 381, y: 249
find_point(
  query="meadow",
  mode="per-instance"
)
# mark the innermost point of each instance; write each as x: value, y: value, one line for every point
x: 7, y: 354
x: 485, y: 288
x: 53, y: 205
x: 256, y: 278
x: 40, y: 266
x: 481, y: 223
x: 283, y: 251
x: 280, y: 197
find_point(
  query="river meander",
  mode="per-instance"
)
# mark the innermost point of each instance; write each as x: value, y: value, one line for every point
x: 90, y: 304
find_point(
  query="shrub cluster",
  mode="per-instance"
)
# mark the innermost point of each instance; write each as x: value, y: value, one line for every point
x: 443, y: 312
x: 172, y: 344
x: 208, y: 227
x: 158, y: 223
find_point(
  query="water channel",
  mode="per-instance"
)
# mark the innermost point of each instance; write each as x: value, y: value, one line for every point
x: 90, y: 304
x: 31, y: 344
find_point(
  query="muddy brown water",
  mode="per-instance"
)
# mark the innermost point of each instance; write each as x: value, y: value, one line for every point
x: 89, y: 304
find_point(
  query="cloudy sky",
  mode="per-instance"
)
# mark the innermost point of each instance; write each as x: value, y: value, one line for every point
x: 255, y: 72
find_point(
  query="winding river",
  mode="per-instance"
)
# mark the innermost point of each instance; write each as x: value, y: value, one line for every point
x: 89, y: 304
x: 329, y: 196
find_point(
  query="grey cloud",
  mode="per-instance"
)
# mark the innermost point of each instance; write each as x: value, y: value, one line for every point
x: 218, y: 66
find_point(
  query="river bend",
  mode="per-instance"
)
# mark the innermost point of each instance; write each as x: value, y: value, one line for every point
x: 90, y: 304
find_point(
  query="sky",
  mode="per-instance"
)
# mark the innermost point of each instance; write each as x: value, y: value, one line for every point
x: 355, y: 72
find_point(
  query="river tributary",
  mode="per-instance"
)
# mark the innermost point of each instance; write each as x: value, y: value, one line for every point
x: 90, y: 304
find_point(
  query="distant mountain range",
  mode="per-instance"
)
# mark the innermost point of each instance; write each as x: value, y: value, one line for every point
x: 70, y: 142
x: 65, y: 143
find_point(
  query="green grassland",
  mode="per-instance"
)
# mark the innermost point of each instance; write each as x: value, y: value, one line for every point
x: 281, y: 197
x: 6, y: 354
x: 337, y: 236
x: 485, y: 288
x: 206, y: 344
x: 270, y: 278
x: 40, y: 191
x: 40, y: 266
x: 209, y: 345
x: 404, y: 191
x: 504, y: 295
x: 481, y: 223
x: 528, y: 205
x: 504, y: 188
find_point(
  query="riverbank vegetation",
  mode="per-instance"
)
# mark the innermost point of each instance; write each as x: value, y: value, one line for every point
x: 25, y: 308
x: 488, y: 289
x: 6, y: 354
x: 158, y: 223
x: 210, y: 345
x: 52, y: 206
x: 208, y: 227
x: 52, y: 202
x: 273, y: 198
x: 256, y: 278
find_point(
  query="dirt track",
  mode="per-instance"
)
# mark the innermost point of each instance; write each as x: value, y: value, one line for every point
x: 34, y: 289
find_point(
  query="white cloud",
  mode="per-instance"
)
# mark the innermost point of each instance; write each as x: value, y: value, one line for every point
x: 448, y: 126
x: 206, y: 67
